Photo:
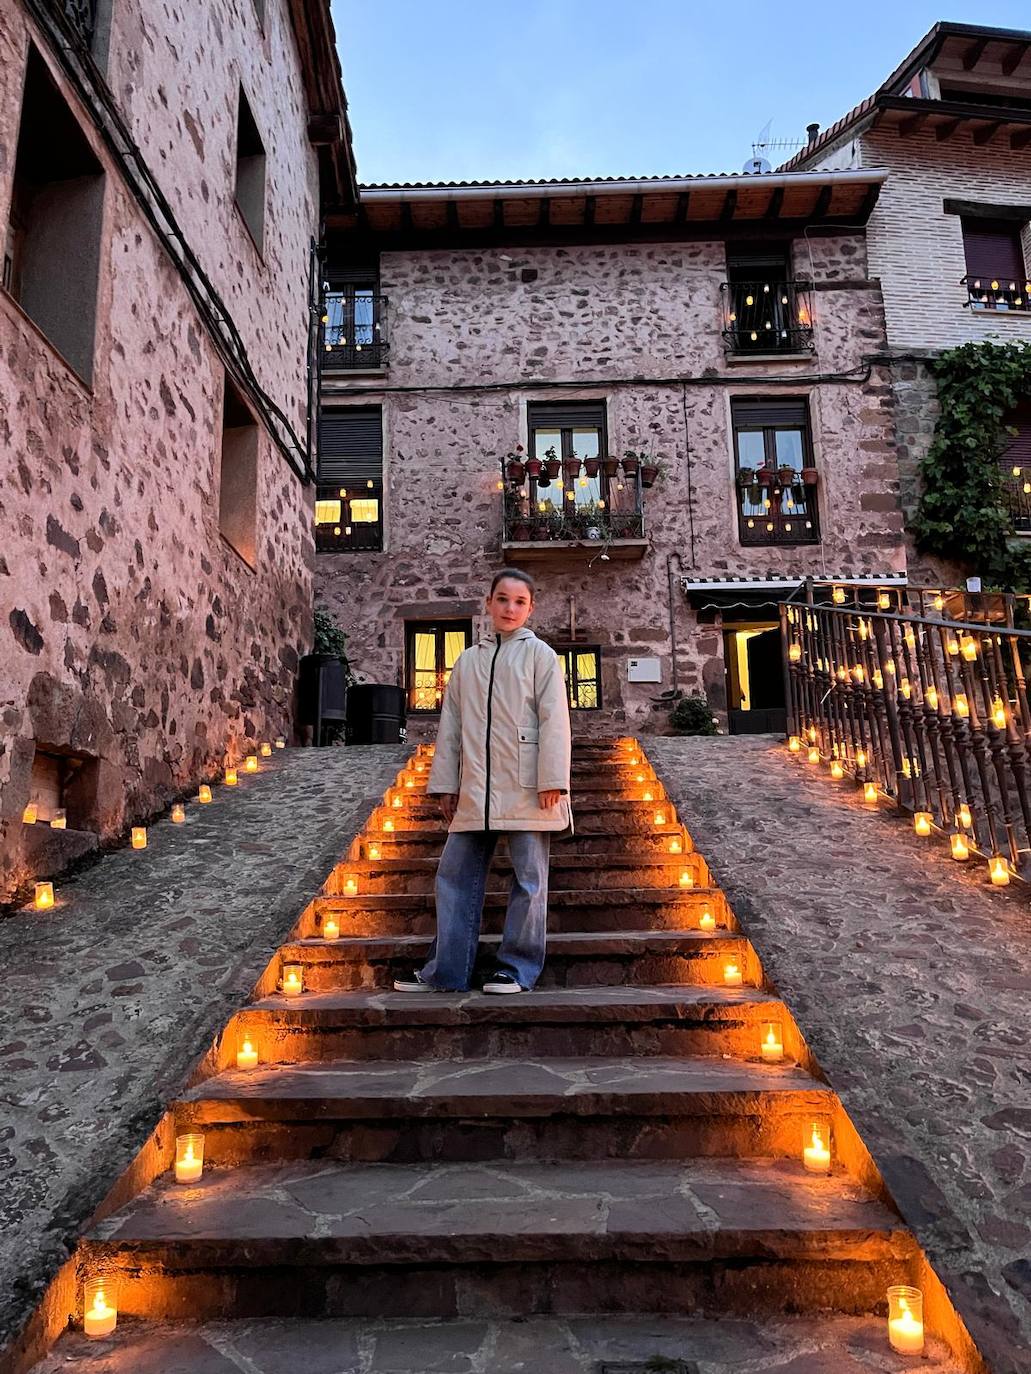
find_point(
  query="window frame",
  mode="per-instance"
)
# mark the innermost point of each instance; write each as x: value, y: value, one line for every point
x: 769, y: 428
x: 250, y: 167
x: 592, y: 411
x: 369, y: 469
x: 439, y: 628
x: 568, y: 652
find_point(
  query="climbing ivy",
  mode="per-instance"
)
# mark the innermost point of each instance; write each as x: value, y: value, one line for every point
x: 961, y: 513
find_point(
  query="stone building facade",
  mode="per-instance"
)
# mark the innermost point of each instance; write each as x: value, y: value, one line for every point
x: 155, y: 505
x: 464, y: 322
x: 952, y: 127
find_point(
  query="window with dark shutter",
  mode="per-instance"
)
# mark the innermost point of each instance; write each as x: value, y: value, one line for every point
x: 993, y: 250
x: 776, y: 476
x: 1015, y: 463
x: 349, y: 505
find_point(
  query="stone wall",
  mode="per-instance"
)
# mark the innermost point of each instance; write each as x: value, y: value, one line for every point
x: 640, y: 326
x: 135, y: 640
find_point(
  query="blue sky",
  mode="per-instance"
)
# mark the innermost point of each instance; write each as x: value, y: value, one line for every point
x: 453, y: 89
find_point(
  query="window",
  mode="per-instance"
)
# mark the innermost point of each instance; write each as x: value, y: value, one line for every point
x: 238, y: 477
x: 53, y: 239
x: 776, y: 479
x: 1015, y: 464
x: 354, y: 319
x: 567, y: 433
x: 764, y: 310
x: 349, y: 504
x: 994, y: 255
x: 582, y: 668
x: 250, y: 172
x: 431, y: 651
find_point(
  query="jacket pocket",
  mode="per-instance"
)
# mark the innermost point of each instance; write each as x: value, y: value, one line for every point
x: 529, y: 744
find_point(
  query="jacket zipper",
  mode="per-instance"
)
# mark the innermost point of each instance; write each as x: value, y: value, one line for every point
x: 490, y: 703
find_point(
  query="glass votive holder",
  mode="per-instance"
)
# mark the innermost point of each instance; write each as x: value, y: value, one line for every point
x: 139, y: 837
x: 293, y: 980
x: 178, y: 814
x: 99, y: 1306
x: 204, y: 793
x: 59, y: 820
x: 906, y: 1319
x: 44, y: 898
x: 816, y: 1145
x: 266, y: 750
x: 189, y: 1158
x: 772, y: 1042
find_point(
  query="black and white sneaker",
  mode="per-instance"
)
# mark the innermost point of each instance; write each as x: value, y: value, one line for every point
x: 413, y: 983
x: 502, y: 983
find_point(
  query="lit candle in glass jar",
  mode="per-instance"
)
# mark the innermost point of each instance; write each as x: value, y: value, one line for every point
x: 964, y: 817
x: 31, y: 814
x: 675, y: 847
x: 266, y: 750
x: 178, y: 814
x: 870, y: 793
x: 860, y: 758
x: 772, y: 1043
x: 906, y: 1319
x: 794, y: 744
x: 280, y: 743
x: 330, y: 928
x: 397, y: 803
x: 837, y: 772
x: 648, y: 796
x: 204, y: 792
x: 998, y: 870
x: 59, y: 820
x: 139, y: 837
x: 372, y: 851
x: 969, y: 649
x: 189, y: 1158
x: 961, y: 705
x: 838, y: 596
x: 351, y: 887
x: 732, y: 975
x: 998, y: 714
x: 246, y: 1056
x: 686, y: 878
x: 707, y: 921
x: 960, y: 848
x: 660, y: 818
x: 231, y: 778
x: 795, y: 653
x: 814, y: 754
x: 388, y: 825
x: 931, y: 697
x: 816, y: 1153
x: 250, y: 763
x: 922, y: 822
x: 100, y: 1308
x: 44, y: 898
x: 293, y: 979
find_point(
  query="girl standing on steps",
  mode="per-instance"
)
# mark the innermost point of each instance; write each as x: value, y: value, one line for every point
x: 501, y: 767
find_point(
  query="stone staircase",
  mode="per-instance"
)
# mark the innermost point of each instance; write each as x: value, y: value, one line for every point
x: 593, y: 1172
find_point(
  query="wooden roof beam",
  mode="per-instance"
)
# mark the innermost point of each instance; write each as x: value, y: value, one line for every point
x: 683, y: 201
x: 909, y: 126
x: 776, y: 201
x: 823, y: 201
x: 590, y: 205
x: 452, y: 214
x: 729, y: 206
x: 943, y: 132
x: 544, y: 213
x: 868, y: 202
x: 636, y: 209
x: 974, y: 54
x: 985, y: 134
x: 499, y: 213
x: 1021, y: 140
x: 1014, y: 57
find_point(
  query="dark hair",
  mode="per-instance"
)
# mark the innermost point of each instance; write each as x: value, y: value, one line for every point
x: 517, y: 575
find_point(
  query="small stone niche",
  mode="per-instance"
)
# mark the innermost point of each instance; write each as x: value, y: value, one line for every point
x: 64, y: 781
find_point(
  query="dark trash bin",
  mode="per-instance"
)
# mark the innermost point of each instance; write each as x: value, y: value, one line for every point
x: 377, y: 713
x: 321, y: 697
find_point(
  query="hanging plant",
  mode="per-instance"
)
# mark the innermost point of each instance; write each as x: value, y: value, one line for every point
x: 552, y: 463
x: 533, y: 467
x: 961, y: 514
x: 610, y: 466
x: 514, y: 466
x: 631, y: 461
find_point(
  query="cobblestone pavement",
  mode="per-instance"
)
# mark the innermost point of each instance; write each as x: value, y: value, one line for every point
x: 910, y: 977
x: 837, y: 1345
x: 109, y: 999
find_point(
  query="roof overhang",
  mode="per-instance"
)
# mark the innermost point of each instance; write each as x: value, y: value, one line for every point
x: 329, y: 129
x: 619, y: 208
x: 945, y: 118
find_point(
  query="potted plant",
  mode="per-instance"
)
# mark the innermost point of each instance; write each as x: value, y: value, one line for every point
x: 764, y: 476
x: 533, y: 467
x: 745, y: 477
x: 693, y: 716
x: 630, y: 463
x: 552, y: 462
x: 610, y: 466
x: 571, y: 467
x: 592, y: 466
x: 514, y: 467
x: 786, y: 475
x: 592, y: 519
x: 810, y: 477
x: 651, y: 470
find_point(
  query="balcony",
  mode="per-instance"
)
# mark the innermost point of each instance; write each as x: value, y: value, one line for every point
x: 1016, y: 495
x: 998, y: 295
x: 778, y: 508
x: 767, y: 317
x: 353, y: 335
x: 602, y: 519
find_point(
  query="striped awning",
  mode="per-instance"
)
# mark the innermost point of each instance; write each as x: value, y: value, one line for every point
x: 780, y: 582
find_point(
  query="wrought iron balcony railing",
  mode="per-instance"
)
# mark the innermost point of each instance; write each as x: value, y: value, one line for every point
x: 772, y: 511
x: 354, y: 331
x: 545, y: 515
x: 1016, y: 491
x: 998, y: 293
x: 767, y: 317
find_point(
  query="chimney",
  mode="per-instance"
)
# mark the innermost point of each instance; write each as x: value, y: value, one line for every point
x: 813, y: 131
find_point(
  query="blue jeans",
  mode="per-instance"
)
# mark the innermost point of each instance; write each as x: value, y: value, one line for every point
x: 461, y: 885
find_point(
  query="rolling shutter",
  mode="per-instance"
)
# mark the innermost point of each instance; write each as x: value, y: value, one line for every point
x: 351, y: 446
x: 993, y: 251
x: 1017, y: 452
x: 770, y: 412
x: 566, y: 415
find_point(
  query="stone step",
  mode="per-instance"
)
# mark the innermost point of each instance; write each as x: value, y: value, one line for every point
x: 613, y: 819
x: 325, y: 1238
x: 603, y: 1021
x: 480, y: 1109
x: 581, y: 959
x: 520, y: 1345
x: 570, y: 872
x: 428, y: 844
x: 617, y: 805
x: 618, y: 909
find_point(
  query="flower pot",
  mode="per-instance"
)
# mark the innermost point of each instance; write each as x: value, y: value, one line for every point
x: 630, y: 466
x: 745, y: 477
x: 571, y: 467
x: 648, y: 475
x: 593, y: 466
x: 543, y: 480
x: 593, y: 532
x: 810, y: 477
x: 610, y: 467
x: 521, y: 531
x: 785, y: 476
x: 516, y: 470
x: 553, y: 466
x: 533, y: 466
x: 764, y: 477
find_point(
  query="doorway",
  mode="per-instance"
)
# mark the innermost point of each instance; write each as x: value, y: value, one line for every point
x: 755, y: 679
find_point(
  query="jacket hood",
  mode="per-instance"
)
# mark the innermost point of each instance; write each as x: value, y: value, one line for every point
x: 488, y: 641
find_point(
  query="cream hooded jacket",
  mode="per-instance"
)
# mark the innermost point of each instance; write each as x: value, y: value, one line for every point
x: 504, y: 736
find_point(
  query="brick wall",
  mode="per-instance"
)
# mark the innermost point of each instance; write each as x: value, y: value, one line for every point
x: 133, y: 637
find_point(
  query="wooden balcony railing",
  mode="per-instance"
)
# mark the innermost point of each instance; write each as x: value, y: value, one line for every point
x: 928, y: 711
